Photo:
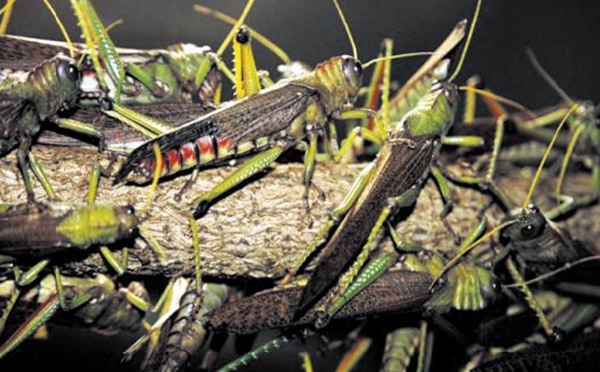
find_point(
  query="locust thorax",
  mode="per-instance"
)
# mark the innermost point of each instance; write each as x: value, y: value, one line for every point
x: 98, y: 224
x: 52, y: 85
x: 467, y: 286
x: 432, y: 116
x: 337, y: 81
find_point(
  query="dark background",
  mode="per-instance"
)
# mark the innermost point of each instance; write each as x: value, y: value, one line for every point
x: 563, y: 34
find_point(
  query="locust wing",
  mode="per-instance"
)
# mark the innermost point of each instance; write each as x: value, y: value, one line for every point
x: 262, y: 115
x: 23, y: 54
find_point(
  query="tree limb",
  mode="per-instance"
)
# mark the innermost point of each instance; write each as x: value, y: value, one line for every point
x: 261, y: 229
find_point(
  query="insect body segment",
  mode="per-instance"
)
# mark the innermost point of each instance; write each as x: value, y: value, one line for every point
x: 27, y: 100
x: 413, y: 144
x: 539, y: 241
x: 28, y: 230
x: 188, y: 331
x: 394, y: 292
x: 268, y: 118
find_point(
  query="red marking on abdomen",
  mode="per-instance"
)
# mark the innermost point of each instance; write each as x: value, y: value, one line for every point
x: 224, y: 143
x: 205, y: 146
x: 173, y: 161
x: 188, y: 155
x: 225, y: 147
x: 148, y: 166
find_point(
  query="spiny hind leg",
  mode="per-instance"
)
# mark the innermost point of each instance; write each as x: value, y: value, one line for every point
x: 247, y: 170
x: 334, y: 218
x: 406, y: 199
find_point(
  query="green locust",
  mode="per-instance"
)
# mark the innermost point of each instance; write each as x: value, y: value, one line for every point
x: 270, y: 122
x: 28, y: 99
x: 531, y: 239
x: 583, y: 140
x: 96, y: 301
x: 388, y: 184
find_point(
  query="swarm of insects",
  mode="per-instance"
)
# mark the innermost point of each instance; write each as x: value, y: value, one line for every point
x: 401, y: 221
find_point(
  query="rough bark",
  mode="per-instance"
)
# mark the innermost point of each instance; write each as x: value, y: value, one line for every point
x: 261, y: 229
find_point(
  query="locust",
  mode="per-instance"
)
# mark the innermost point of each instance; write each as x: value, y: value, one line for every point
x: 165, y: 75
x: 531, y: 238
x: 96, y: 301
x: 270, y: 122
x: 583, y: 140
x: 391, y: 182
x: 579, y: 353
x: 514, y: 331
x: 394, y: 292
x: 26, y: 100
x: 186, y: 331
x: 375, y: 292
x: 273, y: 116
x: 40, y: 230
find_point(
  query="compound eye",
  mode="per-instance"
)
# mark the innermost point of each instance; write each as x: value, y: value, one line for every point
x: 451, y: 94
x: 352, y: 68
x: 358, y: 68
x: 69, y: 71
x: 72, y: 72
x: 529, y: 231
x: 491, y: 291
x: 130, y: 210
x: 496, y: 286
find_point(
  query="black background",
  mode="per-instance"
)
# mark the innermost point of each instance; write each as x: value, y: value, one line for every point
x: 564, y: 35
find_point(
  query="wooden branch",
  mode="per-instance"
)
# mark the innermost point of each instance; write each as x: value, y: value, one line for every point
x: 261, y: 229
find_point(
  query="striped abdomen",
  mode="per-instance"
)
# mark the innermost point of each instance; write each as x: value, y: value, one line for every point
x: 204, y: 150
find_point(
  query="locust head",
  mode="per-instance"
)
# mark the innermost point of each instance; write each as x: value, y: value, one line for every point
x: 538, y: 241
x: 127, y: 220
x: 337, y: 82
x: 530, y: 224
x: 53, y: 85
x: 352, y: 69
x: 433, y: 115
